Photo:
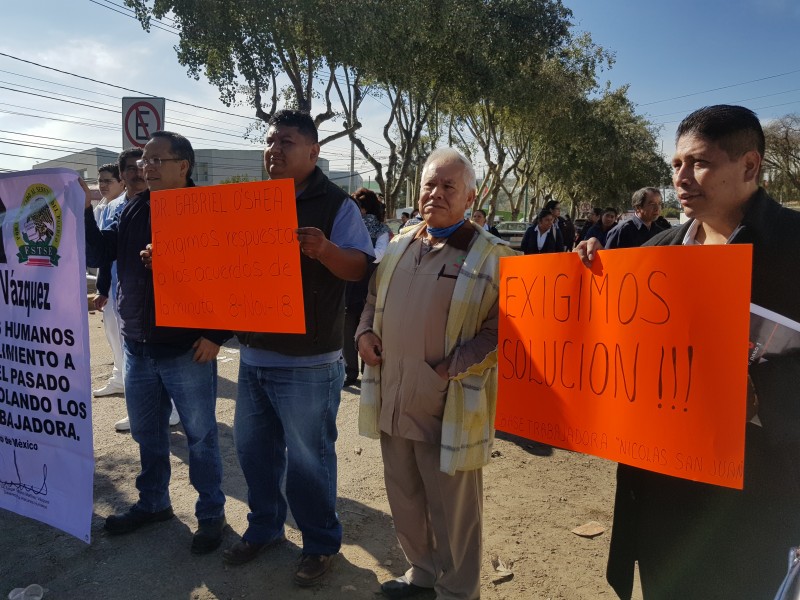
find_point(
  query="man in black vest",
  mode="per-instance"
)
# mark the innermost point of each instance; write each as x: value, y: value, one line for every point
x: 290, y: 385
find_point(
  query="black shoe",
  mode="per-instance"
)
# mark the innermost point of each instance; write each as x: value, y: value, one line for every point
x: 350, y: 381
x: 134, y: 519
x: 403, y: 588
x: 209, y: 535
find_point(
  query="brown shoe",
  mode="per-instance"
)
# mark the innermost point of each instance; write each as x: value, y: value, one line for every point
x: 311, y: 568
x: 243, y: 551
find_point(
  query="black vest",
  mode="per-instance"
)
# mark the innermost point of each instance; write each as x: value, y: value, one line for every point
x: 323, y: 292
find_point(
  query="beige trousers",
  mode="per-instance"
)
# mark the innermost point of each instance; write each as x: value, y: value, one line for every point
x: 438, y: 518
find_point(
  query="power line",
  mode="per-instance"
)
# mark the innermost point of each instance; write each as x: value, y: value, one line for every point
x: 130, y: 10
x: 742, y: 101
x: 148, y: 94
x: 2, y: 87
x: 50, y: 117
x: 30, y: 62
x: 724, y: 87
x: 133, y: 16
x: 753, y: 109
x: 116, y: 97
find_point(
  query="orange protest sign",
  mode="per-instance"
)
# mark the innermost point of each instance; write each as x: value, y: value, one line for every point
x: 225, y: 257
x: 642, y: 360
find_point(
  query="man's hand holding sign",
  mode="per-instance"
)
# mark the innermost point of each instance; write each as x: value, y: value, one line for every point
x: 629, y: 360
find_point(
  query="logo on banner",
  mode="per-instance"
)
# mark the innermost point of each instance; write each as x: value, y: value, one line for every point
x: 38, y: 231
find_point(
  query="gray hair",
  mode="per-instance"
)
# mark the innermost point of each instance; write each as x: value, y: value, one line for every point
x: 453, y: 155
x: 639, y: 197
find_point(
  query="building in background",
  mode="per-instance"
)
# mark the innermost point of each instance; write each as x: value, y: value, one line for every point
x: 212, y: 166
x: 85, y: 163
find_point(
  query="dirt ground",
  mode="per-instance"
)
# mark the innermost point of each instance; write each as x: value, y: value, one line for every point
x: 534, y: 497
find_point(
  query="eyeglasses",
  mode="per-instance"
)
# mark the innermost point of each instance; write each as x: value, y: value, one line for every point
x: 154, y: 162
x: 106, y: 181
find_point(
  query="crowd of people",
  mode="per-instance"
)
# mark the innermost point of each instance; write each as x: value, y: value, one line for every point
x: 428, y: 393
x: 550, y: 232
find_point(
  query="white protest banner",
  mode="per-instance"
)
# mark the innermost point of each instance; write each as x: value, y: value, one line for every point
x: 46, y: 452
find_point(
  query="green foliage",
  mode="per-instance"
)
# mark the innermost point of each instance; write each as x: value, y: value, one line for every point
x: 508, y: 81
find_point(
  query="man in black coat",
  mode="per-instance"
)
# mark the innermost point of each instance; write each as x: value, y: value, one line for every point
x: 695, y: 540
x: 162, y: 362
x: 642, y: 227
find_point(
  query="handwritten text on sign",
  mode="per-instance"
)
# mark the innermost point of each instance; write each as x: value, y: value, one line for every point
x: 225, y: 257
x: 641, y: 360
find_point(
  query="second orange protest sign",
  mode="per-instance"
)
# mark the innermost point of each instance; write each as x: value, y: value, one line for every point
x: 642, y: 360
x: 226, y: 257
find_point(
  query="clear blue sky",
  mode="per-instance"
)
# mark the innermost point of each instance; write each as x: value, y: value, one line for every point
x: 672, y: 54
x: 679, y: 55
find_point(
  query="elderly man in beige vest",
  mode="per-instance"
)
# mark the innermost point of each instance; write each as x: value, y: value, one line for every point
x: 429, y: 391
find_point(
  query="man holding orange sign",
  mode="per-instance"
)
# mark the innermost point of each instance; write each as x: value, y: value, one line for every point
x: 290, y: 384
x: 162, y: 362
x: 695, y: 540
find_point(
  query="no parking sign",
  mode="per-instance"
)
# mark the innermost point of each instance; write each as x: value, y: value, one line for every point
x: 140, y: 118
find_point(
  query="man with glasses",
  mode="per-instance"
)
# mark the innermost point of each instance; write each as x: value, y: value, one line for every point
x: 106, y: 298
x: 635, y: 231
x: 162, y: 362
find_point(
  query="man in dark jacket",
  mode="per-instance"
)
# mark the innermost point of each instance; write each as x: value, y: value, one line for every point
x: 290, y: 384
x: 162, y: 362
x: 695, y: 540
x: 642, y: 227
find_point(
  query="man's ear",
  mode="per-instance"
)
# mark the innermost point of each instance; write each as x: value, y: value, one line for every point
x: 314, y: 151
x: 752, y: 165
x: 471, y: 198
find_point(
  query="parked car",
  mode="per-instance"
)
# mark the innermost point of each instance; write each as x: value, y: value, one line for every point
x: 512, y: 232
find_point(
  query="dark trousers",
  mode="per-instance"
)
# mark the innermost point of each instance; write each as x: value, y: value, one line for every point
x: 351, y: 319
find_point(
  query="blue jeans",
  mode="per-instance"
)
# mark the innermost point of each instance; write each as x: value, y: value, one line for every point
x: 285, y: 426
x: 149, y: 385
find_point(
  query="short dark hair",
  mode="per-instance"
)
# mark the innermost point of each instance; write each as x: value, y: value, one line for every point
x: 735, y: 129
x: 368, y: 200
x: 551, y: 204
x: 295, y: 118
x: 610, y: 209
x: 110, y: 168
x: 406, y: 215
x: 544, y: 212
x: 639, y: 197
x: 122, y: 159
x: 598, y: 212
x: 479, y: 210
x: 179, y: 145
